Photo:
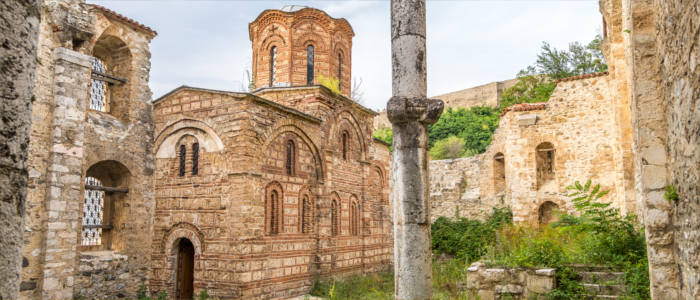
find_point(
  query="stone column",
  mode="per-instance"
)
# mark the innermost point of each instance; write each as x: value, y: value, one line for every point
x: 19, y: 28
x: 72, y: 75
x: 410, y: 113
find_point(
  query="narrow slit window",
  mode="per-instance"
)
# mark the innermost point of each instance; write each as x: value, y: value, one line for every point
x: 290, y: 158
x: 273, y: 212
x: 306, y: 215
x: 183, y: 159
x: 334, y: 218
x: 273, y: 65
x: 345, y: 145
x: 340, y: 72
x: 195, y: 158
x: 310, y: 65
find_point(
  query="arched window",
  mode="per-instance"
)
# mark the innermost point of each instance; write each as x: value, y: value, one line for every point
x: 273, y: 210
x: 195, y: 158
x: 111, y: 66
x: 183, y: 157
x: 499, y: 173
x: 334, y: 217
x: 345, y: 145
x: 105, y: 183
x: 310, y: 65
x: 289, y: 164
x: 273, y: 64
x: 354, y: 219
x: 306, y: 214
x: 340, y: 72
x: 545, y: 163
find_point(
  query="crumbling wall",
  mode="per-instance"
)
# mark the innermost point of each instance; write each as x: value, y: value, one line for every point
x: 456, y: 189
x: 578, y: 122
x: 19, y: 26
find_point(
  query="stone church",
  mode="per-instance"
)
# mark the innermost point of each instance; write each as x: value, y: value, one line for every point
x: 244, y: 195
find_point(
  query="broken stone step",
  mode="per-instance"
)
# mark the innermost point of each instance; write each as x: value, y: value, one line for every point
x: 604, y: 289
x: 602, y: 277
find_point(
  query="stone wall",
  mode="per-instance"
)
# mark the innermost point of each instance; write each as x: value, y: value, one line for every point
x: 678, y: 29
x: 577, y: 125
x: 488, y: 283
x: 456, y: 189
x: 19, y: 27
x: 70, y: 141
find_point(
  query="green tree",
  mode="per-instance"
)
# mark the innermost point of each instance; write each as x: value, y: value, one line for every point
x: 474, y: 125
x: 384, y: 134
x: 557, y: 64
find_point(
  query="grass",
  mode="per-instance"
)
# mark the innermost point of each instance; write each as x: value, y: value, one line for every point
x: 446, y: 275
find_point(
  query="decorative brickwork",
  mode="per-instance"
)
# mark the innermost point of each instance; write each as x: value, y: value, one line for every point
x: 294, y: 48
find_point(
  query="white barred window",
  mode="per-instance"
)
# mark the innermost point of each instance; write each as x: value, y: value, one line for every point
x: 98, y: 88
x: 93, y: 213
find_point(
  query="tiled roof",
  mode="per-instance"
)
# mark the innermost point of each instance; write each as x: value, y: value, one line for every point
x: 525, y: 107
x: 136, y: 25
x: 584, y: 76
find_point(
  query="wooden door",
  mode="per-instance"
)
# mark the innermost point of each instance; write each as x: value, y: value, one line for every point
x: 185, y: 270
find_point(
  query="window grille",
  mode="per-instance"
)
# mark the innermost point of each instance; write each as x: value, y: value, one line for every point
x: 183, y: 154
x: 334, y: 218
x: 310, y: 65
x: 195, y: 158
x: 98, y: 88
x: 273, y: 65
x: 93, y: 214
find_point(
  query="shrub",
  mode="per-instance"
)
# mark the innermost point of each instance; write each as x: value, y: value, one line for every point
x: 331, y: 83
x: 451, y: 147
x: 384, y: 134
x: 467, y: 239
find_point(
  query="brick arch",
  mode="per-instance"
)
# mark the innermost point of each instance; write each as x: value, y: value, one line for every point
x: 208, y: 139
x: 290, y: 127
x: 336, y: 223
x: 273, y: 40
x: 311, y: 39
x: 336, y: 130
x: 180, y: 231
x: 277, y: 212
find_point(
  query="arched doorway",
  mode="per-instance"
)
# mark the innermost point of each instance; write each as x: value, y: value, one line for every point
x: 185, y: 270
x: 547, y: 213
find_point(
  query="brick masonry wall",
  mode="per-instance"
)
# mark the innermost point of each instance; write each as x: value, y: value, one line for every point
x: 19, y: 25
x: 291, y: 33
x: 244, y: 153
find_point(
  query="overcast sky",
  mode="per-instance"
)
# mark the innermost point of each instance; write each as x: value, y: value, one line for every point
x: 206, y: 44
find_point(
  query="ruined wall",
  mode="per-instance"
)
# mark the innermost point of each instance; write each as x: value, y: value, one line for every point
x: 243, y: 142
x: 70, y: 141
x: 19, y: 27
x: 678, y: 51
x: 576, y: 124
x: 459, y: 188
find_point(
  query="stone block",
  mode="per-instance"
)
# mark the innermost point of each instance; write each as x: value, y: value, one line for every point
x: 526, y: 120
